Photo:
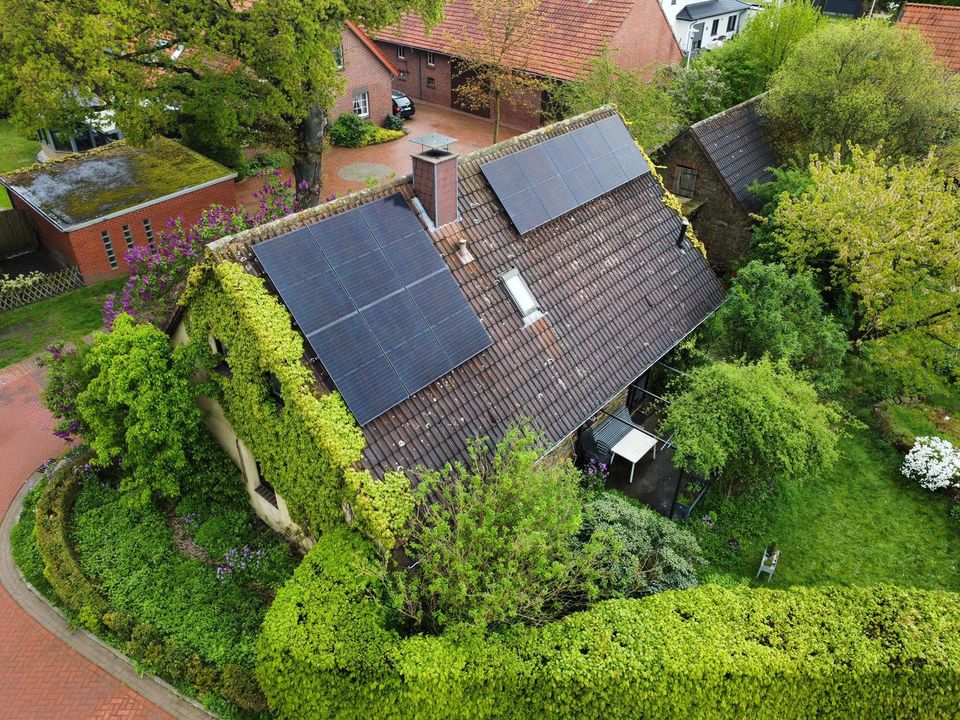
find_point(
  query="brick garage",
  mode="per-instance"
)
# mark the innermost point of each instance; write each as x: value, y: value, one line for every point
x: 365, y: 70
x: 89, y: 209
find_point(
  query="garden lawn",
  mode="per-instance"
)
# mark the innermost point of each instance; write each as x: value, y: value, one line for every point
x: 15, y: 152
x: 861, y: 524
x: 26, y: 331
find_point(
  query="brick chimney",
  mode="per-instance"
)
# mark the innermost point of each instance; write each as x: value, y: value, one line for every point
x: 435, y: 178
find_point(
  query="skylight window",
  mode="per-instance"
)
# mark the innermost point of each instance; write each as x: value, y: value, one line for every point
x: 522, y: 296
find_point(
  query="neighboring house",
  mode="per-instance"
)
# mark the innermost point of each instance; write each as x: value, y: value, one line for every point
x: 99, y: 130
x: 844, y: 8
x: 368, y: 76
x: 88, y: 210
x: 573, y: 33
x: 539, y: 279
x: 940, y: 24
x: 704, y: 25
x: 710, y: 167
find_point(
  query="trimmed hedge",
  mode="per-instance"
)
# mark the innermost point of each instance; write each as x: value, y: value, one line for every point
x: 61, y: 566
x: 328, y: 650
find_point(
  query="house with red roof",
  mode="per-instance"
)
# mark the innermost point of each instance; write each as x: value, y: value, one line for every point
x: 940, y: 25
x: 573, y: 33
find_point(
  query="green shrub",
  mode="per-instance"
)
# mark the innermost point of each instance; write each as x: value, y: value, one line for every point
x: 23, y: 543
x: 239, y: 685
x: 634, y: 550
x: 61, y: 567
x: 327, y: 650
x: 375, y: 135
x: 393, y: 122
x: 348, y: 130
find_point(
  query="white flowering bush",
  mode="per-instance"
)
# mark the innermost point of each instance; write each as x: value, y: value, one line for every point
x: 934, y: 463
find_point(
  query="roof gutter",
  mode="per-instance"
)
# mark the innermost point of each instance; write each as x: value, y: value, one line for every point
x: 124, y: 211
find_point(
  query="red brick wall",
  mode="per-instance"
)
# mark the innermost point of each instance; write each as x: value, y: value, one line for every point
x: 85, y: 248
x: 416, y: 76
x: 645, y: 37
x: 364, y: 71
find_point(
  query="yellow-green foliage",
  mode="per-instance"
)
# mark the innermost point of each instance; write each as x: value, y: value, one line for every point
x: 382, y: 508
x: 328, y: 650
x: 304, y: 446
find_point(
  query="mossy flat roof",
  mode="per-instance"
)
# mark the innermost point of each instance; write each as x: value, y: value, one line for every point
x: 81, y: 189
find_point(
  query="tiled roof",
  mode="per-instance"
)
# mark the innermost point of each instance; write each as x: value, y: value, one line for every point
x: 573, y: 32
x: 940, y: 24
x: 711, y: 8
x: 737, y: 142
x: 617, y: 292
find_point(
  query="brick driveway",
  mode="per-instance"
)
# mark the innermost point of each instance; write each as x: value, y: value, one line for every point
x: 345, y: 169
x: 41, y: 676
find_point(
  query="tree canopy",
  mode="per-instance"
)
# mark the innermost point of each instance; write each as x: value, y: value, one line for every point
x: 646, y: 106
x: 768, y: 311
x: 863, y: 82
x: 887, y: 234
x: 244, y: 72
x: 752, y: 425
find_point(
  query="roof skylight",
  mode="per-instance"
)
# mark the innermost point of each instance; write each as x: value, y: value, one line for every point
x: 522, y: 296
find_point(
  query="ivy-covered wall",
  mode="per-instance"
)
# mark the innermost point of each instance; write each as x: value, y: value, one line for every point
x: 327, y: 650
x: 304, y: 444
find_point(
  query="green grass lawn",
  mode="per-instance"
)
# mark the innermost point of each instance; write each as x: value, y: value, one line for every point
x: 15, y: 152
x: 28, y: 330
x: 861, y: 524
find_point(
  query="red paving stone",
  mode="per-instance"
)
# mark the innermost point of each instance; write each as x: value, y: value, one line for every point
x: 41, y: 676
x: 470, y: 131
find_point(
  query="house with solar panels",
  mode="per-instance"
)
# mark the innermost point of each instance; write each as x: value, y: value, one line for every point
x: 537, y: 279
x: 711, y: 167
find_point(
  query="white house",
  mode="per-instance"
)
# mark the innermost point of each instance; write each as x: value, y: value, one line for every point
x: 703, y: 25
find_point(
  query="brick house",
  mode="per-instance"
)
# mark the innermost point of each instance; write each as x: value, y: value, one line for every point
x: 573, y: 32
x: 940, y: 25
x: 368, y: 76
x: 710, y: 167
x: 440, y: 309
x: 88, y: 210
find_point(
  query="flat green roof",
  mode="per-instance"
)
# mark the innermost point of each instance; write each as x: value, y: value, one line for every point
x: 81, y: 189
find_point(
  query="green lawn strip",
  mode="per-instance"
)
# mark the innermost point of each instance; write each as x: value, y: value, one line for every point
x: 15, y: 152
x: 27, y: 330
x: 861, y: 524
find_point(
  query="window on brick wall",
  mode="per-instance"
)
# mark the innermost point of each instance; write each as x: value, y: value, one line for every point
x: 108, y: 246
x: 431, y: 83
x: 431, y: 60
x: 128, y: 237
x: 361, y: 103
x: 401, y: 52
x: 338, y: 56
x: 685, y: 181
x: 148, y: 231
x: 732, y: 24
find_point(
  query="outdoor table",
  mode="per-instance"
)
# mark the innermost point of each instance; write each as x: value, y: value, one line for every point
x: 634, y: 446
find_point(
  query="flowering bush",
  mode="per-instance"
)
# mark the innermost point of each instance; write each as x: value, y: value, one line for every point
x: 934, y: 463
x: 157, y: 277
x: 595, y: 474
x: 66, y: 378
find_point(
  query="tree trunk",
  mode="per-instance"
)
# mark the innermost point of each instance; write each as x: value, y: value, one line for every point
x: 308, y: 158
x: 496, y: 118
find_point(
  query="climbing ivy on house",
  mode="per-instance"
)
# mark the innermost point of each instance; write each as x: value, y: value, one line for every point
x: 303, y: 444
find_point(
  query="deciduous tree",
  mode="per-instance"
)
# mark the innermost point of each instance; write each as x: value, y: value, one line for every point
x: 243, y: 71
x: 863, y: 82
x: 495, y: 61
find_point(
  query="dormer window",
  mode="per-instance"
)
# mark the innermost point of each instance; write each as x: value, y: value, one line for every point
x: 522, y: 297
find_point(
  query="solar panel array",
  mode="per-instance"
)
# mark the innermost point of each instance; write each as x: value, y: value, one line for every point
x: 376, y: 302
x: 550, y: 179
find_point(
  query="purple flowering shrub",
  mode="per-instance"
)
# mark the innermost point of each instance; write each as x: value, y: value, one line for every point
x: 66, y: 378
x: 157, y: 278
x: 595, y: 474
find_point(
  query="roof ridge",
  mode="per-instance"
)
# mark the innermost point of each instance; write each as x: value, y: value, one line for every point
x: 728, y: 111
x: 933, y: 5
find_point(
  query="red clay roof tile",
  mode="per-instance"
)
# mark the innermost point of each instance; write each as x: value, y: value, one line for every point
x: 940, y: 24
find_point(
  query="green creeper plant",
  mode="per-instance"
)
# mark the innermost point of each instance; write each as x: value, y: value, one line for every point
x: 751, y: 425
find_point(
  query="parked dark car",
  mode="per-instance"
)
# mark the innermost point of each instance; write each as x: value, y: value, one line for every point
x: 402, y: 105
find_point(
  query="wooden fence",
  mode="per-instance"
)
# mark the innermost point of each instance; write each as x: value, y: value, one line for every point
x: 16, y: 234
x: 45, y: 286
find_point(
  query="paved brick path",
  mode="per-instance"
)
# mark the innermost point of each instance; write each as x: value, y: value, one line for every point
x: 40, y: 676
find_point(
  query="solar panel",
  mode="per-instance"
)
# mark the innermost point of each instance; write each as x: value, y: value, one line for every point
x: 548, y: 180
x: 376, y: 302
